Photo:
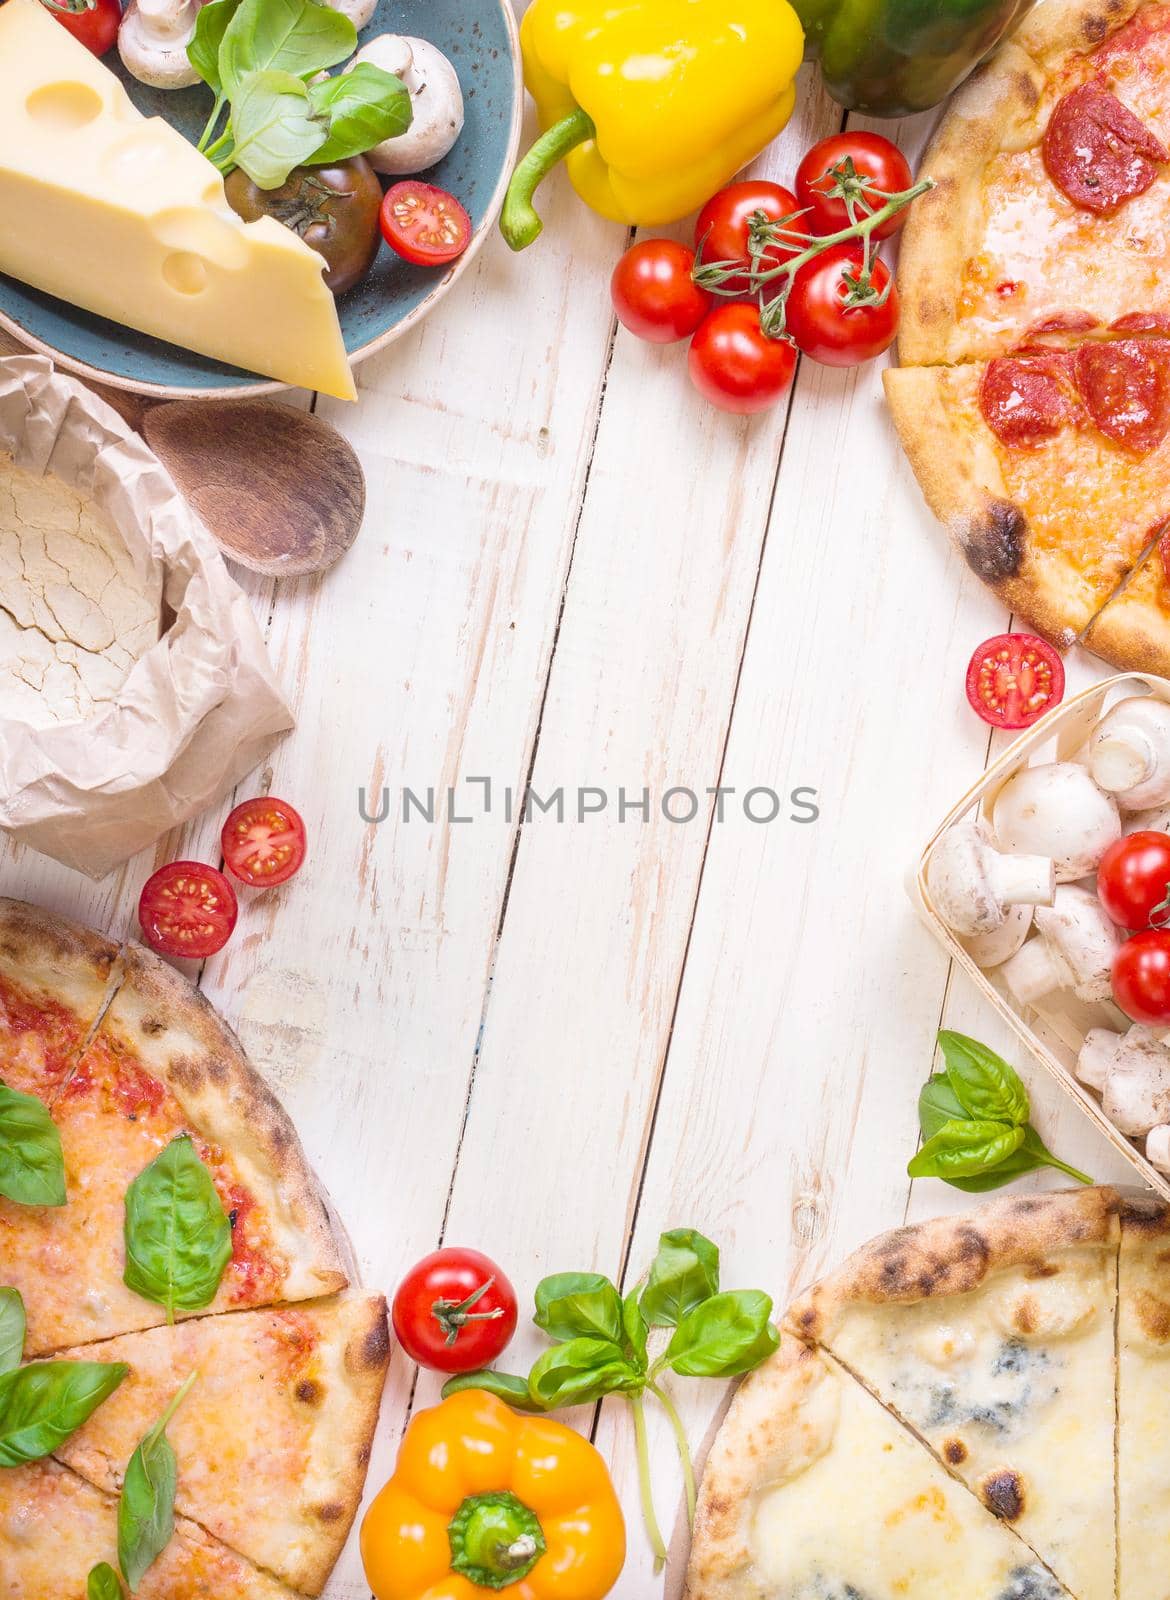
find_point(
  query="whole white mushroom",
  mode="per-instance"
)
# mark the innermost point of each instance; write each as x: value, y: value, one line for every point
x: 1129, y: 752
x: 359, y: 12
x: 1073, y: 948
x: 153, y: 39
x: 973, y: 886
x: 1056, y: 810
x: 436, y: 102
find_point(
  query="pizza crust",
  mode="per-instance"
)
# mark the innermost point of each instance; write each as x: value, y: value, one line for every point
x: 56, y: 959
x: 1133, y: 629
x: 1052, y: 31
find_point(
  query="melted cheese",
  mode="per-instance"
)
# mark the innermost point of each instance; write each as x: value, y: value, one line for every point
x: 1143, y: 1387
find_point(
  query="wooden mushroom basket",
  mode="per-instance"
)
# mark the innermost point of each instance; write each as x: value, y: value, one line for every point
x: 1053, y: 1028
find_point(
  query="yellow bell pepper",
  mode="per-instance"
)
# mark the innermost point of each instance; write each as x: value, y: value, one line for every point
x: 652, y: 104
x: 483, y: 1499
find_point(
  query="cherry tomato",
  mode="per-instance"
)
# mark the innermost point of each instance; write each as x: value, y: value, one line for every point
x: 1141, y: 977
x: 654, y: 294
x: 878, y: 163
x: 187, y: 909
x: 94, y: 22
x: 454, y: 1311
x: 1013, y: 679
x: 735, y: 365
x: 423, y: 224
x: 1133, y: 880
x: 263, y: 842
x: 824, y: 326
x: 723, y: 231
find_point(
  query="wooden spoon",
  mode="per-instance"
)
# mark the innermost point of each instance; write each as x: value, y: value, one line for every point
x: 279, y: 489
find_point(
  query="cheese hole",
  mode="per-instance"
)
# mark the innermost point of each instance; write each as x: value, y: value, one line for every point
x: 64, y: 105
x: 184, y: 272
x: 207, y: 235
x: 138, y: 158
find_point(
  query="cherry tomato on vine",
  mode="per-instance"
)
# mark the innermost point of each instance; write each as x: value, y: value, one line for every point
x: 187, y: 909
x: 879, y: 165
x: 424, y: 225
x: 1133, y: 880
x: 454, y: 1311
x: 822, y: 322
x: 263, y: 842
x: 653, y: 292
x: 1013, y: 679
x: 1141, y: 977
x: 94, y: 22
x: 723, y: 231
x: 735, y: 365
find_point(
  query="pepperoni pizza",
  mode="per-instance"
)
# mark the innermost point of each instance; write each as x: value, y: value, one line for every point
x: 1034, y: 395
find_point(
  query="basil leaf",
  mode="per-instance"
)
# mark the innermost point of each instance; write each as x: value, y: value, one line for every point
x: 299, y: 37
x: 571, y: 1305
x: 203, y: 50
x: 362, y: 107
x: 965, y: 1149
x: 178, y: 1237
x: 104, y: 1583
x: 146, y: 1507
x: 273, y: 127
x: 684, y: 1273
x: 938, y: 1104
x: 580, y: 1371
x: 634, y: 1327
x: 503, y: 1385
x: 42, y: 1404
x: 727, y: 1335
x: 12, y: 1325
x: 32, y: 1168
x: 985, y: 1085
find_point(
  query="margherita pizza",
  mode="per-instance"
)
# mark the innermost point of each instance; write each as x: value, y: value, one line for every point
x: 186, y: 1195
x: 970, y: 1409
x: 1034, y: 395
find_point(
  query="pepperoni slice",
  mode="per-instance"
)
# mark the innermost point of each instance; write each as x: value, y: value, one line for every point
x: 1097, y: 152
x: 1164, y: 552
x: 1153, y: 322
x: 1028, y: 398
x: 1125, y: 384
x: 1062, y: 322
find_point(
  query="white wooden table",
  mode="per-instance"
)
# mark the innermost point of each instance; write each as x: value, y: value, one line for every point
x: 553, y: 1040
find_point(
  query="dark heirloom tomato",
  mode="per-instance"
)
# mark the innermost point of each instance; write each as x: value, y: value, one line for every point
x: 334, y: 209
x: 187, y: 909
x: 263, y: 842
x: 1141, y: 977
x: 879, y: 165
x: 1133, y: 880
x: 94, y: 22
x: 723, y: 231
x: 1013, y: 679
x: 454, y: 1311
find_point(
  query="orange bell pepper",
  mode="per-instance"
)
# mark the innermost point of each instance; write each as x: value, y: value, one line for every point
x: 484, y: 1499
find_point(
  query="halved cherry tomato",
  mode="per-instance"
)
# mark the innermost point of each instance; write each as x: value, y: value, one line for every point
x: 825, y: 326
x: 94, y: 22
x: 263, y: 841
x: 735, y: 365
x: 454, y: 1311
x: 1141, y: 977
x: 187, y: 909
x: 1013, y: 679
x: 653, y: 292
x: 723, y: 231
x: 423, y: 224
x: 879, y: 164
x: 1133, y: 880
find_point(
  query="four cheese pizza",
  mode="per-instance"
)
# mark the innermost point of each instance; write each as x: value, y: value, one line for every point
x: 971, y: 1409
x: 1034, y: 394
x: 118, y: 1064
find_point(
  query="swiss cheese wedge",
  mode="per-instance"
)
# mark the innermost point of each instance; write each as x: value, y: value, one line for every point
x: 115, y: 212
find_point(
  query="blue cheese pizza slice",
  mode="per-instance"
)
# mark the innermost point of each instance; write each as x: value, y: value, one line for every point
x: 991, y: 1337
x: 1143, y: 1401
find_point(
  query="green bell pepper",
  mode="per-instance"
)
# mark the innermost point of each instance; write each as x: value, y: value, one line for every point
x: 893, y: 57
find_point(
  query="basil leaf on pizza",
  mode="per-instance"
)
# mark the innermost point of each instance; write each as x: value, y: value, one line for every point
x: 725, y: 1336
x: 104, y: 1583
x: 146, y: 1508
x: 178, y: 1237
x: 42, y: 1404
x: 32, y: 1168
x: 683, y: 1274
x: 963, y: 1149
x: 571, y: 1305
x: 983, y: 1082
x: 12, y: 1325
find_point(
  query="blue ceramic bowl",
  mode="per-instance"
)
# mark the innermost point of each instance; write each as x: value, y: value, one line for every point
x: 479, y: 36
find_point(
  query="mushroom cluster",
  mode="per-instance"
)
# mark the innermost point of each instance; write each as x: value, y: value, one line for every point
x: 1131, y: 1074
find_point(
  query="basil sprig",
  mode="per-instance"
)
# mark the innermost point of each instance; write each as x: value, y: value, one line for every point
x: 42, y: 1404
x: 12, y: 1325
x: 178, y: 1237
x: 104, y: 1583
x: 146, y: 1508
x: 974, y: 1118
x: 602, y: 1345
x: 257, y: 57
x: 32, y: 1168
